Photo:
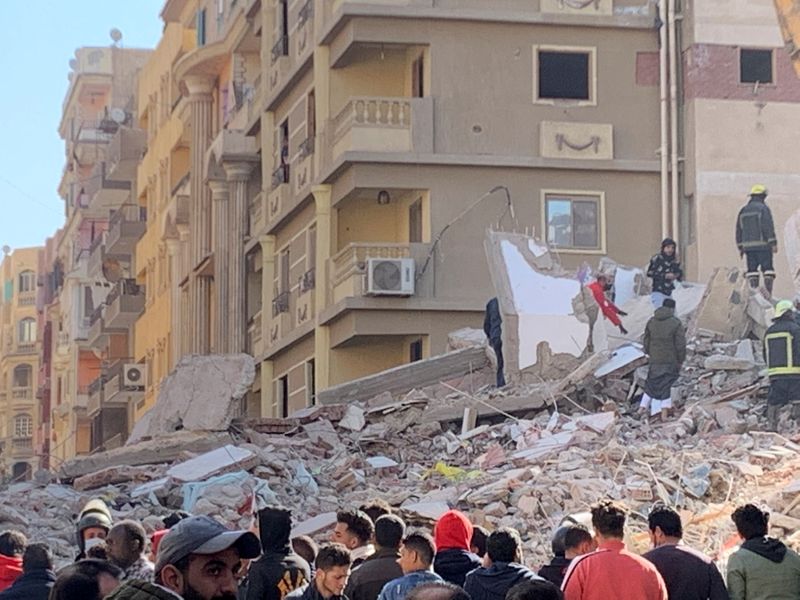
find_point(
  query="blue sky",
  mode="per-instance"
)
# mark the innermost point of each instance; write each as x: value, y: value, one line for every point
x: 37, y: 40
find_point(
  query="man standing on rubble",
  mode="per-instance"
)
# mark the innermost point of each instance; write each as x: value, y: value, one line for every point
x: 664, y: 270
x: 688, y: 574
x: 493, y: 328
x: 665, y: 344
x: 598, y: 288
x: 612, y: 572
x: 755, y: 237
x: 782, y: 353
x: 763, y: 568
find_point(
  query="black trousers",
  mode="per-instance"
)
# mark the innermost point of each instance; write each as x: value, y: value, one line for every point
x: 759, y: 259
x: 497, y: 346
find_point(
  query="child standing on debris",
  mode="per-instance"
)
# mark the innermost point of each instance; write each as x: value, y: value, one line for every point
x: 664, y: 270
x: 665, y: 344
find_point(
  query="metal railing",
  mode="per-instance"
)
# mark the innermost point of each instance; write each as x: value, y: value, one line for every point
x: 280, y: 175
x: 280, y: 48
x: 308, y: 280
x: 306, y: 147
x: 280, y: 304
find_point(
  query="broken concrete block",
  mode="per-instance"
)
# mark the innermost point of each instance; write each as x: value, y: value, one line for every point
x: 723, y: 362
x: 222, y: 460
x: 203, y: 393
x: 724, y: 305
x: 110, y: 475
x: 353, y: 419
x: 381, y: 462
x: 430, y: 510
x: 322, y: 433
x: 466, y: 338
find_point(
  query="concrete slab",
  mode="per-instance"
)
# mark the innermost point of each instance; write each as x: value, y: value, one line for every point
x: 314, y: 524
x: 724, y: 305
x: 216, y: 462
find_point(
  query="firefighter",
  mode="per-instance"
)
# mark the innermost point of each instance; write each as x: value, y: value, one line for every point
x: 782, y: 353
x: 755, y: 237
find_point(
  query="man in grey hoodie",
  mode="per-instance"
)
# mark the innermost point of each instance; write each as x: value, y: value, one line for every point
x: 763, y: 568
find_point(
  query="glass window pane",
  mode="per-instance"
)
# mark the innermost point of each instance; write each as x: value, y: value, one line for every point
x: 586, y: 223
x: 559, y: 222
x: 564, y: 75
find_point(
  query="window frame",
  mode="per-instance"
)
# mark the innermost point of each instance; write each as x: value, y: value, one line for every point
x: 30, y: 328
x: 19, y: 431
x: 571, y: 195
x: 773, y: 67
x: 28, y: 276
x: 590, y: 50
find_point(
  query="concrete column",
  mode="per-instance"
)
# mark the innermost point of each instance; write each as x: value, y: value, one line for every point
x: 200, y: 105
x: 267, y: 279
x: 238, y: 174
x: 267, y: 389
x: 222, y: 248
x: 322, y: 336
x: 173, y: 254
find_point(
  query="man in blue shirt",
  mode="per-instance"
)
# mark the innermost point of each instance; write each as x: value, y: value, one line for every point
x: 416, y: 560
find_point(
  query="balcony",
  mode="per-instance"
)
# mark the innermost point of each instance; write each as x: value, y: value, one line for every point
x: 26, y: 299
x: 90, y: 139
x: 256, y: 222
x: 21, y: 395
x: 95, y: 396
x: 62, y: 343
x: 255, y: 347
x: 98, y: 332
x: 125, y: 151
x: 372, y: 124
x: 124, y: 304
x: 255, y: 102
x: 126, y: 226
x: 280, y: 195
x: 104, y: 193
x: 22, y: 447
x: 97, y: 254
x: 302, y: 171
x: 26, y: 348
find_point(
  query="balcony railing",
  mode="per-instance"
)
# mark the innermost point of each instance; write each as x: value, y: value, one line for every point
x: 280, y: 304
x: 280, y: 48
x: 306, y: 13
x: 26, y: 298
x: 280, y: 175
x: 127, y: 225
x: 306, y: 148
x: 383, y: 113
x: 254, y: 345
x: 308, y: 281
x: 22, y: 393
x: 124, y: 304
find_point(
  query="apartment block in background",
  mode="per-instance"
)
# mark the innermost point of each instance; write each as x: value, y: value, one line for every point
x: 97, y: 293
x: 20, y: 343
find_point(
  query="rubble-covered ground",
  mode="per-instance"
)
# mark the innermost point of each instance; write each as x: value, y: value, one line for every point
x: 537, y: 453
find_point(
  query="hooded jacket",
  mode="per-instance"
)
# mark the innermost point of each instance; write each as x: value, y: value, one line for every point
x: 95, y: 513
x: 665, y: 338
x: 492, y: 583
x: 141, y: 590
x: 609, y: 309
x: 662, y: 265
x: 453, y: 560
x: 755, y: 229
x: 10, y: 570
x: 367, y: 581
x: 33, y: 585
x: 279, y: 571
x: 764, y: 569
x: 555, y: 571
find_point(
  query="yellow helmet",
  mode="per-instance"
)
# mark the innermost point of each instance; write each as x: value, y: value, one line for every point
x: 758, y: 189
x: 783, y: 307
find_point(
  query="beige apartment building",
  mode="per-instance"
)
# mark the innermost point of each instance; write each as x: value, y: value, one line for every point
x: 20, y: 343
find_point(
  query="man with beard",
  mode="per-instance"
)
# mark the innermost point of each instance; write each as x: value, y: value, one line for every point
x: 331, y: 571
x: 198, y: 559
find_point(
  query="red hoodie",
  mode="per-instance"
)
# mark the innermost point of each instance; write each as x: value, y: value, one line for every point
x: 10, y: 569
x: 609, y: 308
x: 453, y: 530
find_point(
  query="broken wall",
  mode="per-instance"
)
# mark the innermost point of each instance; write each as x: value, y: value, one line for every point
x: 723, y: 310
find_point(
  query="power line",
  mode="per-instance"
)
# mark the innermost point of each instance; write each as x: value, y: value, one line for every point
x: 29, y: 196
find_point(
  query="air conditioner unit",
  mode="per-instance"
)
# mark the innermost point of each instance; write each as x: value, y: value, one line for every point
x: 390, y: 277
x: 134, y: 377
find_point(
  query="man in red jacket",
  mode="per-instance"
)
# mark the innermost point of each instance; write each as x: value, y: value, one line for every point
x: 612, y: 572
x: 12, y: 547
x: 611, y: 312
x: 453, y: 533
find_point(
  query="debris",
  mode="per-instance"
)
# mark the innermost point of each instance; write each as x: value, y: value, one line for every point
x: 216, y: 462
x: 353, y: 419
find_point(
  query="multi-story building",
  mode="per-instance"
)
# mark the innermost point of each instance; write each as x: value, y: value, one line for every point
x: 383, y: 128
x: 96, y: 188
x: 741, y: 95
x: 20, y: 342
x: 163, y: 181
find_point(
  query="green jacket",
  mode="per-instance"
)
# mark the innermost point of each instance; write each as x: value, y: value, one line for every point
x: 141, y: 590
x: 754, y: 577
x: 665, y: 338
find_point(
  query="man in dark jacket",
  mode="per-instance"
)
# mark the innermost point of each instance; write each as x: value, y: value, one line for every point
x: 688, y: 574
x: 279, y: 571
x: 664, y: 270
x: 37, y: 575
x: 763, y: 568
x: 88, y: 579
x: 331, y: 570
x: 755, y: 237
x: 493, y: 328
x: 377, y: 570
x: 504, y: 549
x: 453, y: 533
x: 782, y: 352
x: 665, y: 344
x: 570, y: 540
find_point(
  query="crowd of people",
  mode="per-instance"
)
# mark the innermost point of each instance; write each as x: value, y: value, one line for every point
x: 372, y: 555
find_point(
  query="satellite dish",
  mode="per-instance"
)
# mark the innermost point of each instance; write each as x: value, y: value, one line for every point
x: 112, y: 270
x: 73, y: 64
x: 115, y: 34
x: 117, y: 115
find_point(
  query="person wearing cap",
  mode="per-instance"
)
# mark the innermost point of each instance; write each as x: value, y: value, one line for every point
x: 755, y: 237
x: 665, y: 344
x: 664, y: 270
x: 331, y: 572
x: 782, y: 354
x: 94, y: 523
x: 198, y: 559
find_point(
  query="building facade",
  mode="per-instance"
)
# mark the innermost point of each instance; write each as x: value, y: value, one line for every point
x: 20, y: 344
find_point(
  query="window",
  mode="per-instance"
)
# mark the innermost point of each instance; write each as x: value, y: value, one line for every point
x: 201, y: 27
x: 88, y: 302
x: 27, y: 331
x: 311, y: 116
x: 415, y: 222
x: 418, y: 77
x: 755, y: 66
x: 415, y: 351
x: 311, y: 384
x: 574, y: 221
x: 23, y: 426
x: 284, y: 272
x: 564, y: 74
x: 283, y: 396
x: 27, y: 281
x: 23, y: 376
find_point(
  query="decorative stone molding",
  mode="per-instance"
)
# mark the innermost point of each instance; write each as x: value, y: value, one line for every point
x: 582, y: 7
x: 585, y: 141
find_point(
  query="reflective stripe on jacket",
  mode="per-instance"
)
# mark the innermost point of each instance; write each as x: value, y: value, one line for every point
x: 782, y: 347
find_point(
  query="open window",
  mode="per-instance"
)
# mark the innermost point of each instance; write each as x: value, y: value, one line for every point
x: 564, y: 74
